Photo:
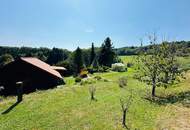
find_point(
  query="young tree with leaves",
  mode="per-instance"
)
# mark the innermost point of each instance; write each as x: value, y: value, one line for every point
x: 169, y: 65
x: 151, y: 66
x: 125, y: 105
x: 158, y: 66
x: 92, y: 91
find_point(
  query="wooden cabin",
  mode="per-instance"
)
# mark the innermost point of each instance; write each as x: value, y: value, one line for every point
x: 34, y: 73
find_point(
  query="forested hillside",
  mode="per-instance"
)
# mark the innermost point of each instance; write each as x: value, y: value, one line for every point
x: 183, y: 49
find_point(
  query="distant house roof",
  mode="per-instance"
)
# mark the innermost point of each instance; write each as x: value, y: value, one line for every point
x: 42, y: 65
x: 58, y: 68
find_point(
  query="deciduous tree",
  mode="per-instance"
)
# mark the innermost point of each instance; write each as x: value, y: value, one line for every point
x: 158, y: 66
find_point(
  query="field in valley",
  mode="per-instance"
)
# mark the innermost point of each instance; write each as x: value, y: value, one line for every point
x: 69, y: 106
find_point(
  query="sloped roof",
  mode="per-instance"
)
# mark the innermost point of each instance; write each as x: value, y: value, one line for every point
x: 42, y: 65
x: 58, y: 68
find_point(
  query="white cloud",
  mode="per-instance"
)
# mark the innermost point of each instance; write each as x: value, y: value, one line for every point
x: 89, y: 30
x: 74, y: 4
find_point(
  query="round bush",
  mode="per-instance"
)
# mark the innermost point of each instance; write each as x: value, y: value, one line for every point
x: 78, y: 79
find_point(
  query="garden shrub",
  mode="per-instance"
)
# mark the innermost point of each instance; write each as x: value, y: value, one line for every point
x: 122, y: 81
x: 84, y: 73
x: 98, y: 77
x: 87, y: 81
x: 104, y: 69
x: 78, y: 79
x: 129, y: 64
x: 92, y: 70
x: 106, y: 80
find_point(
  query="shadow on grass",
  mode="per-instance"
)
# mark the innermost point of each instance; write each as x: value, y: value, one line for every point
x: 183, y: 98
x: 10, y: 108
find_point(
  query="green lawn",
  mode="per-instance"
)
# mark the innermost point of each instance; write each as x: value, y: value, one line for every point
x: 69, y: 106
x: 185, y: 62
x: 128, y: 59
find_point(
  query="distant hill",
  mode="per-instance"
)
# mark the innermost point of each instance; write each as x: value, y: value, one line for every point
x: 183, y: 49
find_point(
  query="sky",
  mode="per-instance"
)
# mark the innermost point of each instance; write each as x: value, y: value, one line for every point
x: 72, y: 23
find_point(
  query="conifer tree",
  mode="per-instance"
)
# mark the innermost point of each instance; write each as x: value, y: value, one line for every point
x: 107, y: 55
x: 92, y: 54
x: 78, y: 61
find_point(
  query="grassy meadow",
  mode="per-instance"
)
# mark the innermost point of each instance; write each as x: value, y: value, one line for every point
x: 69, y: 106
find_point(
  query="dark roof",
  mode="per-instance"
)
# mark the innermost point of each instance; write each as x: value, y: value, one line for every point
x: 42, y: 65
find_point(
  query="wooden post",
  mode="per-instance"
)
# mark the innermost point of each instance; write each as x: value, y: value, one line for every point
x: 19, y: 91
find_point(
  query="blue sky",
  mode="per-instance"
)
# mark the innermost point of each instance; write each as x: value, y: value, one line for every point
x: 71, y: 23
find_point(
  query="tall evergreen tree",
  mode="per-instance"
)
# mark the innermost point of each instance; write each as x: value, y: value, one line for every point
x: 107, y: 55
x: 78, y: 61
x: 92, y: 54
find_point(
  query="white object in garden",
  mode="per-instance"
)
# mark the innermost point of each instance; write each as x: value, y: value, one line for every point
x: 120, y: 67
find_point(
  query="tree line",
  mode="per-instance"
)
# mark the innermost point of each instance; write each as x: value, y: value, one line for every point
x: 93, y: 58
x: 183, y: 49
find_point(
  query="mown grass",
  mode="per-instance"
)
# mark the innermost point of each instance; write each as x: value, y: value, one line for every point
x: 184, y: 62
x: 69, y: 106
x: 128, y: 59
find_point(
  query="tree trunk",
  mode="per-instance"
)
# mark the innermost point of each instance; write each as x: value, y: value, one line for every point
x: 124, y: 118
x: 92, y: 96
x: 166, y: 77
x: 153, y: 87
